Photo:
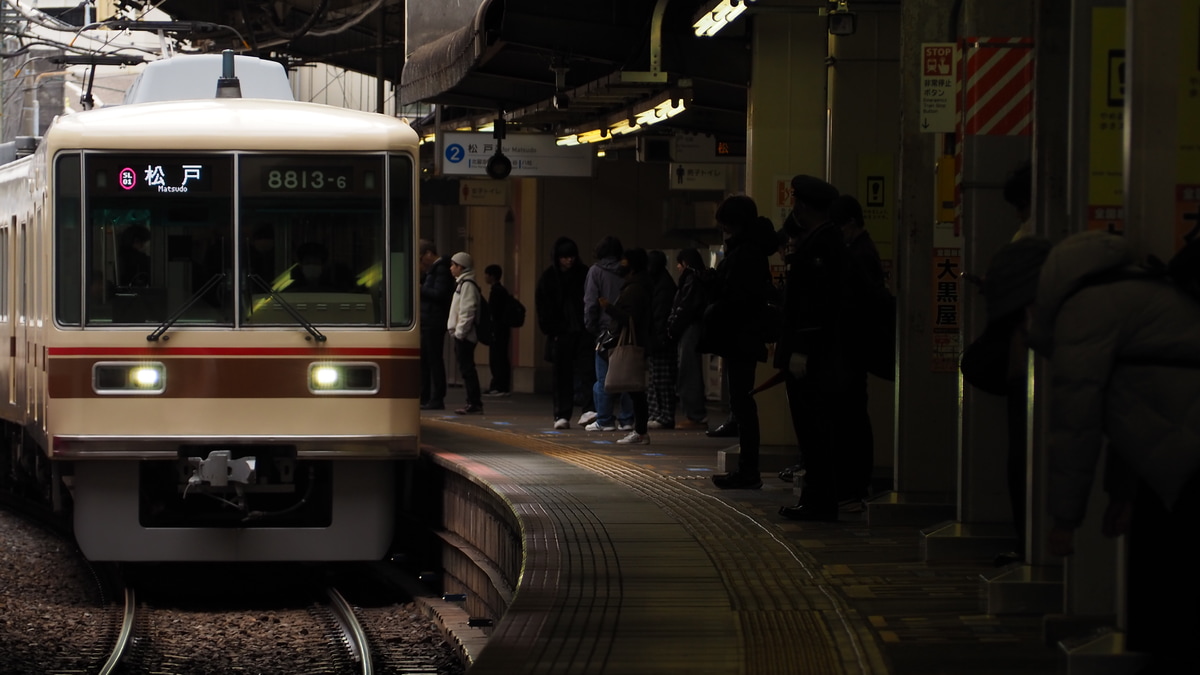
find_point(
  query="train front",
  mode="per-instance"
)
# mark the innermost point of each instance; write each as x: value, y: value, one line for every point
x: 234, y: 370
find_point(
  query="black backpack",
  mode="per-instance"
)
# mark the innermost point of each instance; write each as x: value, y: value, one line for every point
x: 485, y: 332
x: 514, y: 313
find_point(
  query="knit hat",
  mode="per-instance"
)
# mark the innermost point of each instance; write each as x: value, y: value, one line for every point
x: 462, y: 259
x: 1012, y: 277
x: 813, y: 192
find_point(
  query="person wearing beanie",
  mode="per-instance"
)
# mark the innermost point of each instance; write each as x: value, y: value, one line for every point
x: 809, y: 352
x: 570, y: 348
x: 464, y: 307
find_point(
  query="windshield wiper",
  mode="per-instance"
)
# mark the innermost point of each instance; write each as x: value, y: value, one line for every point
x: 287, y: 306
x: 216, y: 279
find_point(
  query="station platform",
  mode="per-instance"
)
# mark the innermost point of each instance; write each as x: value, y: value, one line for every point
x: 634, y: 562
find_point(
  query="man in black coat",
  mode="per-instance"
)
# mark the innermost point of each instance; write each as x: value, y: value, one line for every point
x: 809, y: 351
x: 437, y: 290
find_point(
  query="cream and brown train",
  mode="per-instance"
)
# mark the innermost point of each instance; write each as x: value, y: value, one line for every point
x: 209, y: 309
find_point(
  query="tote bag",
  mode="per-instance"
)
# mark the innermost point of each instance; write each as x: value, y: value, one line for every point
x: 626, y: 364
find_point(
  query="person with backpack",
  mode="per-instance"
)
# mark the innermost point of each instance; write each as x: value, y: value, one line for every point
x: 1123, y: 344
x: 500, y: 303
x: 868, y: 331
x: 466, y: 308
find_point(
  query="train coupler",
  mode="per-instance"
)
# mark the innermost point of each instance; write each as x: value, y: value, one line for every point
x: 219, y: 469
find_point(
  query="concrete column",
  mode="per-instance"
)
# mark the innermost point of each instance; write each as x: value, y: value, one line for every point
x: 926, y: 399
x: 786, y: 126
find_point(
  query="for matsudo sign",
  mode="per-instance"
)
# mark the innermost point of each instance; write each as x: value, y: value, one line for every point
x: 467, y: 154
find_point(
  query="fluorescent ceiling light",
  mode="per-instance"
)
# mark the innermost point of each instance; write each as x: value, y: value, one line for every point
x: 722, y: 14
x: 660, y: 112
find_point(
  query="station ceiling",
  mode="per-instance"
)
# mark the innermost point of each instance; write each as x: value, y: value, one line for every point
x: 547, y: 65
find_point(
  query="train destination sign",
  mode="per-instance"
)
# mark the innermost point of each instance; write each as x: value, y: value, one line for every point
x: 159, y: 175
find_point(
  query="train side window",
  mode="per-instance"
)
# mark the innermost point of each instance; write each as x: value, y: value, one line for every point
x: 401, y: 257
x: 68, y: 263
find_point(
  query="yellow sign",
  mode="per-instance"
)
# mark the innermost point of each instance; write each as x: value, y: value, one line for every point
x: 1187, y: 192
x: 1106, y: 192
x: 876, y: 193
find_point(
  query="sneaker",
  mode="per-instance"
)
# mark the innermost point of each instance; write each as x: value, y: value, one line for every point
x: 596, y: 426
x: 587, y: 418
x: 655, y: 424
x: 634, y: 438
x: 469, y: 410
x: 737, y: 481
x: 624, y: 426
x: 562, y: 423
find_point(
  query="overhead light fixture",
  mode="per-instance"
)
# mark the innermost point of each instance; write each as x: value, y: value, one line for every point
x: 712, y: 20
x: 664, y: 110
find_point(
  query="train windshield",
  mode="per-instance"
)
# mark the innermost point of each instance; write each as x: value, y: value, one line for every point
x: 240, y: 239
x: 312, y: 238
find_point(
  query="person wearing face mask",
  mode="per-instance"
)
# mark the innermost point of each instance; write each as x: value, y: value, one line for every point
x: 311, y: 274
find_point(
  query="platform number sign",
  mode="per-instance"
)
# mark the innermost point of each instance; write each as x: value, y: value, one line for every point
x: 455, y: 153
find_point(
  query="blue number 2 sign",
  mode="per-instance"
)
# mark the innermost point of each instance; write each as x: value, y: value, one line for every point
x: 455, y: 153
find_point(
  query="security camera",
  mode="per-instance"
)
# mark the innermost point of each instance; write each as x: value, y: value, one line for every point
x: 842, y: 23
x: 841, y: 20
x: 498, y: 166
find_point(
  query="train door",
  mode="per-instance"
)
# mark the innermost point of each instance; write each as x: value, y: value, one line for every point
x: 20, y: 322
x: 6, y: 313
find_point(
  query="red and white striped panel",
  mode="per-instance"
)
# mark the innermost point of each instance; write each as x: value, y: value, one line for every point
x: 998, y: 87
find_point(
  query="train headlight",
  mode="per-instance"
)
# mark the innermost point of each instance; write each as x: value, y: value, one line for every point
x: 343, y: 378
x: 129, y: 378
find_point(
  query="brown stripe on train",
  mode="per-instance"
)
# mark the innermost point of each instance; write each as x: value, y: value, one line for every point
x: 233, y: 378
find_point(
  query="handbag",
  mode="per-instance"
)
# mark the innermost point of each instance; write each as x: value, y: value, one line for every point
x: 626, y: 364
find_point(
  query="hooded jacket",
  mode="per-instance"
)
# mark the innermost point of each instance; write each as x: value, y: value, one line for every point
x: 558, y: 297
x: 602, y: 280
x: 1125, y: 362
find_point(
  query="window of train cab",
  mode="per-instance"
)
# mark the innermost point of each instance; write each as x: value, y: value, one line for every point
x: 156, y: 232
x: 332, y: 237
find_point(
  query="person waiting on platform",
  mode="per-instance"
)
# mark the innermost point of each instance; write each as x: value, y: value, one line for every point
x: 498, y: 359
x: 662, y: 360
x: 570, y: 348
x: 683, y: 326
x: 464, y: 307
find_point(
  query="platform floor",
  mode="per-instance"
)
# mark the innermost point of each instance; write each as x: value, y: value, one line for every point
x: 636, y: 563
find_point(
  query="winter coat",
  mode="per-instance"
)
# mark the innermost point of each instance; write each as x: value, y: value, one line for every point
x: 602, y: 280
x: 437, y: 289
x: 498, y: 304
x: 741, y: 283
x: 634, y: 301
x: 689, y: 303
x: 558, y: 300
x: 817, y: 284
x: 662, y: 292
x: 1125, y: 363
x: 463, y: 307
